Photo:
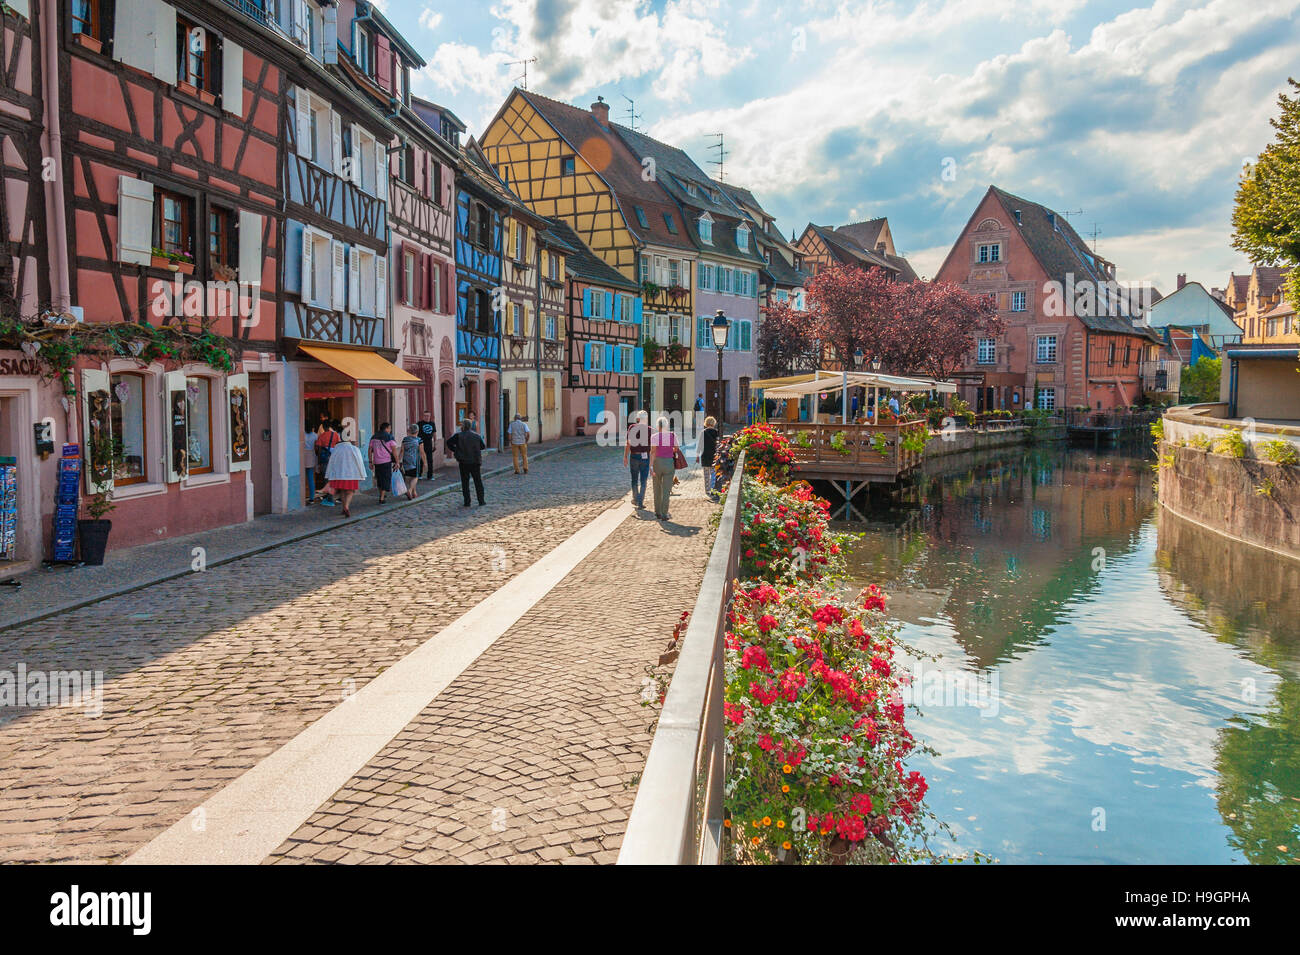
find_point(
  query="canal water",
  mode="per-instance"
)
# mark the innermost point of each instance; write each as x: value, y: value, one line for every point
x: 1114, y: 685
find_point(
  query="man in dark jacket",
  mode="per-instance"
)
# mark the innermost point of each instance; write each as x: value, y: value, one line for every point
x: 428, y: 431
x: 467, y: 447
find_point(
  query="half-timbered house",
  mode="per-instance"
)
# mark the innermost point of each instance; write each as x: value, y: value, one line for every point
x: 480, y: 300
x: 29, y: 284
x: 550, y: 336
x: 603, y: 346
x: 572, y: 164
x: 168, y: 117
x: 421, y: 189
x: 336, y: 290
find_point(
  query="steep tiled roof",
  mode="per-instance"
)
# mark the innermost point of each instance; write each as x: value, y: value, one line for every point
x: 1270, y: 277
x: 1061, y: 252
x: 865, y: 234
x: 604, y: 150
x: 847, y: 250
x: 678, y: 175
x: 584, y: 263
x: 1240, y: 285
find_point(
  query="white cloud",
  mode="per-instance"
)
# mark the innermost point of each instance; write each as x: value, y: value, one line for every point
x: 429, y: 19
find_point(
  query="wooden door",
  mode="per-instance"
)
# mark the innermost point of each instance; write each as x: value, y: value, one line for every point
x: 673, y: 395
x: 262, y: 445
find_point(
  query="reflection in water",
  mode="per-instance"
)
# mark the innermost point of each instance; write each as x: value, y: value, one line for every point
x: 1146, y: 702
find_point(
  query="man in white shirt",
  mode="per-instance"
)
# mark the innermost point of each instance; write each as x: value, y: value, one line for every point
x: 519, y: 442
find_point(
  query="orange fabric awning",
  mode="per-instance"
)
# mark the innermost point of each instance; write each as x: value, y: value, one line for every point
x: 366, y: 368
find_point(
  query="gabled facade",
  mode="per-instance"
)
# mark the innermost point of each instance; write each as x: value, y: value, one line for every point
x: 520, y: 324
x: 169, y: 120
x: 727, y: 264
x: 1267, y: 315
x: 573, y: 164
x: 823, y: 247
x: 604, y: 358
x: 377, y: 62
x: 782, y: 278
x: 480, y: 299
x: 1050, y: 356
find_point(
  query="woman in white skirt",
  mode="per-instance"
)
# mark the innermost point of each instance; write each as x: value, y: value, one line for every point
x: 345, y: 472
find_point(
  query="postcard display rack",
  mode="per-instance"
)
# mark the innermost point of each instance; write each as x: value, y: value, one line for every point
x: 8, y: 508
x: 65, y: 506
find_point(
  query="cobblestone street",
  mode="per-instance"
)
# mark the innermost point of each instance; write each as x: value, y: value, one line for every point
x: 529, y: 754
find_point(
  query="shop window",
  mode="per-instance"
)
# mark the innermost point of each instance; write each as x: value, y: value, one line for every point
x: 175, y: 225
x: 87, y: 18
x: 198, y: 437
x: 193, y: 55
x: 127, y: 410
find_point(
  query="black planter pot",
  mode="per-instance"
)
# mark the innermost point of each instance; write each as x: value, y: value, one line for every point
x: 94, y: 540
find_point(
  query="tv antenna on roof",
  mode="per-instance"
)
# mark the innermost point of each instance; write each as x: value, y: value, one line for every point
x: 632, y: 114
x: 1095, y: 232
x: 722, y: 157
x: 524, y: 64
x: 1076, y: 212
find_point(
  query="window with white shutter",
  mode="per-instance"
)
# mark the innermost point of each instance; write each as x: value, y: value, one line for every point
x: 134, y: 220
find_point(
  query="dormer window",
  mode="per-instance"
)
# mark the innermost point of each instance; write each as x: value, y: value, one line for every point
x: 691, y: 190
x: 668, y: 221
x: 706, y: 228
x: 742, y: 237
x: 640, y: 217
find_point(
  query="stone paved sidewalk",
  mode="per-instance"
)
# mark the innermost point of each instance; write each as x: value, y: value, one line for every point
x: 65, y: 588
x: 532, y: 755
x: 208, y: 673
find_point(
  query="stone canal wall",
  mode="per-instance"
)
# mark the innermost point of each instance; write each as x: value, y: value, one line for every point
x: 962, y: 441
x: 1246, y: 499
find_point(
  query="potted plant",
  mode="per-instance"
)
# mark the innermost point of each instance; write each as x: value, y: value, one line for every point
x: 183, y: 262
x: 649, y: 290
x: 676, y: 352
x: 160, y: 259
x: 224, y: 273
x: 650, y: 350
x: 676, y: 292
x: 106, y: 456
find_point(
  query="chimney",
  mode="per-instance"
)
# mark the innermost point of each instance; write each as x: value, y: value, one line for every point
x: 600, y: 109
x: 1182, y: 279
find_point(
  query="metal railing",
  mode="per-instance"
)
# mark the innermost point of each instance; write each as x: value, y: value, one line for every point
x: 677, y: 816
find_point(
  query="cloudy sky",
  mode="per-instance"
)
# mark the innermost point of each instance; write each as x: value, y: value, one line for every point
x: 1138, y: 115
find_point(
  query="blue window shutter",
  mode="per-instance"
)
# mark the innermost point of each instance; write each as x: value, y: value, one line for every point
x: 609, y: 306
x: 637, y: 359
x: 586, y: 303
x: 636, y: 310
x: 746, y: 341
x: 595, y: 407
x: 609, y: 358
x: 586, y: 357
x: 614, y: 313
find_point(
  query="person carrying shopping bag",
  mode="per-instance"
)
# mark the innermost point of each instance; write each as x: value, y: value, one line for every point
x: 383, y: 454
x: 664, y: 453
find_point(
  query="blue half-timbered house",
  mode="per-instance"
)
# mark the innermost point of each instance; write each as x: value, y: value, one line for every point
x: 480, y: 297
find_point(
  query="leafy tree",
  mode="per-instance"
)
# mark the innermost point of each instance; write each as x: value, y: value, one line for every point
x: 934, y: 328
x: 784, y: 345
x: 1200, y: 382
x: 1266, y: 220
x: 851, y: 310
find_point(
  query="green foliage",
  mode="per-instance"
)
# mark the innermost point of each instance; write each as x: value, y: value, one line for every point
x: 1266, y: 488
x: 1266, y: 219
x: 1280, y: 452
x: 1158, y: 429
x: 1199, y: 440
x: 1231, y: 443
x: 1200, y: 382
x: 914, y: 440
x: 839, y: 442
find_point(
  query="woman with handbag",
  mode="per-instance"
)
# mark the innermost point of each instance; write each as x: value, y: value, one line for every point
x: 665, y: 458
x: 383, y: 453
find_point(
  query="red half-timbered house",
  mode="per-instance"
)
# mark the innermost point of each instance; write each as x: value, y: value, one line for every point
x: 169, y: 117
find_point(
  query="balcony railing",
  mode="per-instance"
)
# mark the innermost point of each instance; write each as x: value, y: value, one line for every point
x: 677, y: 816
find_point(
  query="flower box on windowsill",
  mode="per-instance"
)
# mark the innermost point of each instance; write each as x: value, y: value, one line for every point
x: 88, y: 42
x: 185, y: 268
x: 162, y: 262
x: 188, y: 89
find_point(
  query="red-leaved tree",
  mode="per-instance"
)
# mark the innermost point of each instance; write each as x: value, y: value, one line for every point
x: 934, y: 328
x: 850, y: 309
x: 784, y: 345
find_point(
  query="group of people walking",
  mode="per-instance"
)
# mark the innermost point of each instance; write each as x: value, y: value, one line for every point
x: 658, y: 456
x: 339, y: 467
